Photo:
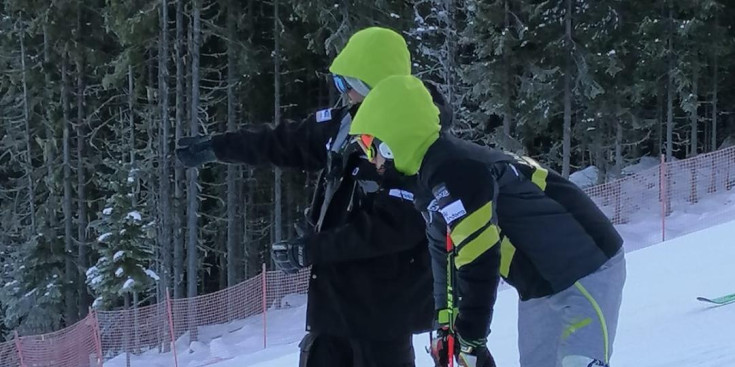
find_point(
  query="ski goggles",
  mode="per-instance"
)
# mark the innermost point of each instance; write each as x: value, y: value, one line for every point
x: 371, y: 146
x: 341, y: 83
x: 346, y: 84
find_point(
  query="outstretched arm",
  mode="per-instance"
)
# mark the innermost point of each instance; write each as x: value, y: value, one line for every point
x: 289, y: 144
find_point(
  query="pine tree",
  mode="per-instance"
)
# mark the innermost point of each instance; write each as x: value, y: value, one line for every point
x: 31, y: 294
x: 33, y: 300
x: 124, y: 244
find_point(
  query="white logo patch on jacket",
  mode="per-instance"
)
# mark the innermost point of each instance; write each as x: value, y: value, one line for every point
x: 401, y: 194
x: 453, y: 211
x: 324, y: 115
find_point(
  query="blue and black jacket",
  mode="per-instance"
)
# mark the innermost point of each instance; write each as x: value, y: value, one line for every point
x: 508, y: 217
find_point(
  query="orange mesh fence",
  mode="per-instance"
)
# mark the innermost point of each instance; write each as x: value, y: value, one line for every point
x: 125, y: 334
x: 9, y: 354
x: 74, y: 346
x: 209, y: 316
x: 621, y: 199
x: 222, y: 307
x: 698, y: 190
x: 281, y: 285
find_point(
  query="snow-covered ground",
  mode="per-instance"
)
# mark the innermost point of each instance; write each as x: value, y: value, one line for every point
x: 661, y: 323
x: 644, y: 226
x: 588, y: 176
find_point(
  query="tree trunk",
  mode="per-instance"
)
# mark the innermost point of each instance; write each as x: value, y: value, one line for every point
x: 136, y: 324
x: 192, y: 173
x: 507, y: 85
x: 449, y: 65
x: 669, y: 105
x: 179, y: 175
x: 618, y: 148
x: 126, y: 336
x: 567, y: 129
x: 246, y: 202
x: 193, y: 191
x: 29, y: 136
x: 233, y: 260
x: 70, y: 271
x: 153, y: 150
x: 253, y: 251
x: 49, y: 146
x: 51, y: 165
x: 599, y: 153
x: 277, y: 207
x: 659, y: 130
x: 131, y: 122
x: 715, y: 82
x: 694, y: 115
x: 81, y: 180
x: 164, y: 180
x: 222, y: 268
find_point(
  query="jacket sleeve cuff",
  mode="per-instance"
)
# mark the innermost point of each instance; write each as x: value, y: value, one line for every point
x: 472, y: 325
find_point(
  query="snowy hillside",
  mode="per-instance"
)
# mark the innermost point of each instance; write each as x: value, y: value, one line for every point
x: 661, y: 323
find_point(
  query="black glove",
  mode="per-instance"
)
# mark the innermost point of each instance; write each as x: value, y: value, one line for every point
x: 473, y: 353
x: 468, y: 353
x: 290, y: 255
x: 440, y: 347
x: 195, y: 151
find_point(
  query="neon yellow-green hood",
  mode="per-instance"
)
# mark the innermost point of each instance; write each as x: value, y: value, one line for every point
x: 400, y: 112
x: 372, y: 55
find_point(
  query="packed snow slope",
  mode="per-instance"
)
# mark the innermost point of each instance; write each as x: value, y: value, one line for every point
x: 661, y: 323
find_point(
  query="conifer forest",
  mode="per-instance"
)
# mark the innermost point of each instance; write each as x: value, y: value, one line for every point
x: 95, y: 211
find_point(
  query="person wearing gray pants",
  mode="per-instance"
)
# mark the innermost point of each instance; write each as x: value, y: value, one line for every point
x: 575, y: 327
x: 489, y: 215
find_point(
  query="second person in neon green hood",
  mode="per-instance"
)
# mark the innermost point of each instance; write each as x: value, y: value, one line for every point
x: 402, y: 114
x: 491, y: 214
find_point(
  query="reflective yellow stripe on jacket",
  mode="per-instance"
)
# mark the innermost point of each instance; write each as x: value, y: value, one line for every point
x: 474, y: 235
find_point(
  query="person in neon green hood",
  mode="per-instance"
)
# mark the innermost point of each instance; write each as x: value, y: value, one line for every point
x: 491, y: 214
x: 370, y: 279
x: 371, y: 55
x: 402, y: 115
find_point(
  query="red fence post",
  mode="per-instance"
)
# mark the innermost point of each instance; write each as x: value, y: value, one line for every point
x: 19, y: 347
x: 171, y: 328
x: 265, y: 308
x: 664, y: 196
x: 97, y: 336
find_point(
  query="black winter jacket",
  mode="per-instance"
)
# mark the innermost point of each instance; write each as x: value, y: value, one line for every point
x: 509, y: 217
x: 371, y: 275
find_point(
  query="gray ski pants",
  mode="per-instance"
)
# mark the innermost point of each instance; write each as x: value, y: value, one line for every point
x: 578, y: 323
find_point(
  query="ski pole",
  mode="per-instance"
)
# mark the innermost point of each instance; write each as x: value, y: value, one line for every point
x: 450, y: 298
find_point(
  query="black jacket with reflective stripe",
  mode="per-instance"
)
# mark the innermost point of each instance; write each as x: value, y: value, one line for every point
x: 371, y: 275
x: 546, y: 233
